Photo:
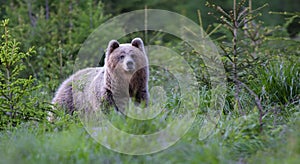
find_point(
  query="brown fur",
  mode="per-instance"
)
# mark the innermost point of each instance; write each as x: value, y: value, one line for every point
x: 124, y: 76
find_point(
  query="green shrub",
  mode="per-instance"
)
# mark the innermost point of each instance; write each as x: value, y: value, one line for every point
x: 17, y: 101
x: 57, y: 29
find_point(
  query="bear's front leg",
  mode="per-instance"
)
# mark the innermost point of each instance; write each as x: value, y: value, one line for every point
x: 107, y: 102
x: 142, y: 98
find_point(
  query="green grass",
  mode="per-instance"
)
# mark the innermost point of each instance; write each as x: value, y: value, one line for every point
x: 281, y: 81
x: 234, y: 139
x: 285, y: 149
x: 74, y: 145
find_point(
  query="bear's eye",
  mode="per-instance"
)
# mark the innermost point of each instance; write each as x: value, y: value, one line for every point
x: 133, y: 55
x: 121, y: 57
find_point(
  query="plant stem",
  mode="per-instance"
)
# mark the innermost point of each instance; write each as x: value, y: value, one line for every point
x: 8, y: 73
x: 235, y: 57
x: 47, y: 9
x: 250, y: 7
x: 30, y: 14
x: 60, y: 60
x: 257, y: 102
x: 10, y: 94
x: 146, y: 24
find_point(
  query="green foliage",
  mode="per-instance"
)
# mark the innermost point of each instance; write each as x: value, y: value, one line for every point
x: 235, y: 140
x: 280, y: 82
x: 57, y: 29
x: 277, y: 78
x: 241, y: 30
x: 264, y: 59
x: 189, y: 8
x: 75, y: 145
x: 17, y: 104
x: 286, y: 149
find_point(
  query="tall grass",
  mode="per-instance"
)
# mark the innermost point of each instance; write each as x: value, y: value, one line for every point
x: 74, y: 145
x: 279, y: 81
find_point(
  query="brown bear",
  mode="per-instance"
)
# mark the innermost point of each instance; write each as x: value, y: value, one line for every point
x: 124, y: 76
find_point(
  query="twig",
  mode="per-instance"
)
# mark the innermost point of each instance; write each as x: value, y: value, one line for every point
x: 257, y: 102
x: 47, y: 9
x: 235, y: 57
x: 31, y: 15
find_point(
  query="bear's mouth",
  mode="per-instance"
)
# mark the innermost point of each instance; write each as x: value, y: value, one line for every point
x: 130, y: 69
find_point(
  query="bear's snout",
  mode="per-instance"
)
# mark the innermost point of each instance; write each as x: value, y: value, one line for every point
x: 130, y: 65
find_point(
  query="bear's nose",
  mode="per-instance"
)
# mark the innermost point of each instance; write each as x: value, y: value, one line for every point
x: 130, y: 64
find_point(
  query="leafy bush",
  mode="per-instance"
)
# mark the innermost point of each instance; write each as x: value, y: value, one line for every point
x: 57, y: 29
x: 17, y: 101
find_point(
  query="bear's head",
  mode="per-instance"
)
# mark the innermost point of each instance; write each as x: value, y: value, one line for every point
x: 126, y: 58
x: 126, y: 72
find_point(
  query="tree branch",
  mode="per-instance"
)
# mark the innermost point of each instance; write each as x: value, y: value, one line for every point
x: 257, y: 102
x: 47, y: 9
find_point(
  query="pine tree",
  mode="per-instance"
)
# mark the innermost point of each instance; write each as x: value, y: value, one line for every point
x: 17, y: 104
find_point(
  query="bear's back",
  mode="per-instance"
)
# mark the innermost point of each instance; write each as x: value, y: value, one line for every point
x: 84, y: 84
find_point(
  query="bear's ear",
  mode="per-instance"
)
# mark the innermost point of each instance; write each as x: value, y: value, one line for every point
x: 138, y: 43
x: 112, y: 45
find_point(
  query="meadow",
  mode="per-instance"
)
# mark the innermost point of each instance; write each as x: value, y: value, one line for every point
x: 254, y: 119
